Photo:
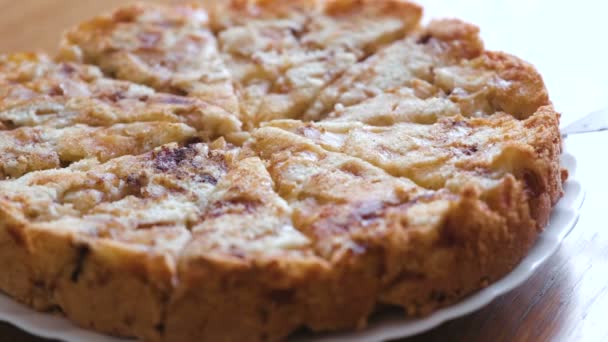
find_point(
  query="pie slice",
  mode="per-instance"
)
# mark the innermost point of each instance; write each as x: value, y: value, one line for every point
x: 305, y: 172
x: 245, y: 257
x: 445, y: 60
x: 34, y: 91
x: 169, y: 48
x: 409, y: 63
x: 27, y: 149
x: 456, y: 152
x: 88, y: 234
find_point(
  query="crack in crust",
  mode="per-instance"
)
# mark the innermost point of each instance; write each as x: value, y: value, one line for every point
x: 241, y: 169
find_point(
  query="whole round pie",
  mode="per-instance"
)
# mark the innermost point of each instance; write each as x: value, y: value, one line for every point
x: 240, y: 170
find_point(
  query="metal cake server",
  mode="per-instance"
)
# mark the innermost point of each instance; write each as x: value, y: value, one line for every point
x: 593, y: 122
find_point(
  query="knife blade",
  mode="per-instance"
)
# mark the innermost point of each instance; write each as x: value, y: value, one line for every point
x: 593, y: 122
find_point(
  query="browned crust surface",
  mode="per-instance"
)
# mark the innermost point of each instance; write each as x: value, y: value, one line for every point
x: 396, y: 166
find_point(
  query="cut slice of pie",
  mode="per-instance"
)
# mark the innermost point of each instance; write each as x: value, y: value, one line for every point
x: 36, y: 91
x: 405, y: 65
x: 169, y: 48
x: 444, y: 61
x: 454, y: 153
x: 27, y: 149
x: 245, y: 259
x: 89, y: 234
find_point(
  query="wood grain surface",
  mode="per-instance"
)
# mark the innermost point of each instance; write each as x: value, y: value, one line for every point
x: 565, y: 300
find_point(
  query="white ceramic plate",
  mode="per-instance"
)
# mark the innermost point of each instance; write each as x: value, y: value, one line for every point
x: 383, y: 327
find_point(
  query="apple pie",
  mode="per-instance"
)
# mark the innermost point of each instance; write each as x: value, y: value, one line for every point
x: 245, y: 169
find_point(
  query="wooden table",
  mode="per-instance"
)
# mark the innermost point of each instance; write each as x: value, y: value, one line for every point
x: 567, y: 298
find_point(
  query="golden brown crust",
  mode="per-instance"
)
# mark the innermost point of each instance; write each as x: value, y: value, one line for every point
x: 511, y: 85
x: 429, y: 172
x: 527, y: 91
x: 457, y: 39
